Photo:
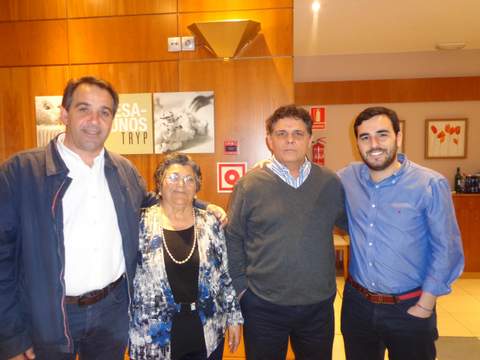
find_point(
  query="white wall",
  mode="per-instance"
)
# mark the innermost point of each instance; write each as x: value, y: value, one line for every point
x: 341, y: 148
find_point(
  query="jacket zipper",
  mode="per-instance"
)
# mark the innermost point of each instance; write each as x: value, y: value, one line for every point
x: 66, y: 331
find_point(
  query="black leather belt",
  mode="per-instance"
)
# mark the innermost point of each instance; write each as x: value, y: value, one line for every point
x: 94, y: 296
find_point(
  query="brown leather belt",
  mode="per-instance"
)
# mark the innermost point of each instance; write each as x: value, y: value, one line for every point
x: 94, y: 296
x: 377, y: 298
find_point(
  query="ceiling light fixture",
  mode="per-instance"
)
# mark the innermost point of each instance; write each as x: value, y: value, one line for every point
x: 450, y: 46
x: 315, y: 6
x: 225, y: 38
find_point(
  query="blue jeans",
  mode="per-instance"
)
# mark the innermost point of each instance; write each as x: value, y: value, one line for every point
x: 369, y: 328
x: 99, y: 331
x: 268, y: 327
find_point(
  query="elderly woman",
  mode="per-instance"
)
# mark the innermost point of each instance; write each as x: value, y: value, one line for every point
x: 183, y: 296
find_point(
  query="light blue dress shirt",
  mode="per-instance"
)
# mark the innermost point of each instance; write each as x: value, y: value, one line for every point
x: 403, y: 229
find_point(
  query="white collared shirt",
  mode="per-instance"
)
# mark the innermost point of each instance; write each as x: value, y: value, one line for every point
x: 282, y: 171
x: 93, y: 242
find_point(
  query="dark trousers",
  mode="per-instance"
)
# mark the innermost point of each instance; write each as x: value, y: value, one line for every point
x: 268, y: 327
x: 369, y: 328
x: 217, y: 354
x: 99, y: 331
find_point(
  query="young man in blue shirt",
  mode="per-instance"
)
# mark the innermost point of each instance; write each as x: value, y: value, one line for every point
x: 405, y: 246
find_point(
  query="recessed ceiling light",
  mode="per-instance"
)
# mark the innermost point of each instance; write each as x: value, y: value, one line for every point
x: 450, y: 46
x: 315, y: 6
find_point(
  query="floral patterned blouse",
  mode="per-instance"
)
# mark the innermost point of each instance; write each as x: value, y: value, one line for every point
x: 153, y: 304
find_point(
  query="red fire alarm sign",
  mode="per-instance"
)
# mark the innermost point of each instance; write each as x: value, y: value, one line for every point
x: 228, y: 174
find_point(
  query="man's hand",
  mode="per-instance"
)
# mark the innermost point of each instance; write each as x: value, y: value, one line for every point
x: 419, y: 312
x: 27, y: 355
x: 219, y: 213
x: 262, y: 164
x: 233, y: 337
x: 424, y: 307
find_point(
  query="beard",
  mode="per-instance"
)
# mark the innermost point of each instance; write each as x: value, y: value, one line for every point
x: 391, y: 157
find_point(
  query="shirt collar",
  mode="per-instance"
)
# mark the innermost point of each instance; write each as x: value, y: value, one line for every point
x: 70, y: 156
x: 283, y: 168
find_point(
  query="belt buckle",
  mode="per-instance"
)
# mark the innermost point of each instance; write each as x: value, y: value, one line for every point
x: 189, y: 307
x: 387, y: 299
x: 373, y: 298
x: 92, y: 298
x: 83, y: 300
x: 380, y: 298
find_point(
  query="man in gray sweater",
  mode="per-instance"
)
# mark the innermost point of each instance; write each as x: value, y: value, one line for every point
x: 280, y: 245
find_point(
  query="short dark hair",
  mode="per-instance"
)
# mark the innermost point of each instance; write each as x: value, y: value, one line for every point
x: 370, y: 112
x: 181, y: 159
x: 73, y: 84
x: 289, y: 111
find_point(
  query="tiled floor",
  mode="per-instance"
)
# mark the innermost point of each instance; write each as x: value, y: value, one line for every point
x: 458, y: 316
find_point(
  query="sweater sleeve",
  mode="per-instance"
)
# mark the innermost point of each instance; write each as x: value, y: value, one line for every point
x: 14, y: 337
x: 342, y: 221
x: 236, y: 233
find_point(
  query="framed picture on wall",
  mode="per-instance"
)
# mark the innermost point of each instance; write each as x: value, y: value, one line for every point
x: 184, y: 121
x: 402, y: 129
x: 445, y: 138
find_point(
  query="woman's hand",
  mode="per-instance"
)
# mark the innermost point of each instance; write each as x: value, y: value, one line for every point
x: 233, y: 337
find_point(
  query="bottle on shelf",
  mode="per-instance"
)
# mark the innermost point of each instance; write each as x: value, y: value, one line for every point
x: 458, y: 181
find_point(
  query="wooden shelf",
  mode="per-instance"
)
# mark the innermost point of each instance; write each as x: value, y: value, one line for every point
x: 467, y: 209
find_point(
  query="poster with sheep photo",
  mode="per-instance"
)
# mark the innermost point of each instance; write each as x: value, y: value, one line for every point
x: 184, y: 121
x: 47, y: 117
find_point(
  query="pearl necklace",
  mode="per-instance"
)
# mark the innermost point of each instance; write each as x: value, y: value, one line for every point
x: 179, y: 262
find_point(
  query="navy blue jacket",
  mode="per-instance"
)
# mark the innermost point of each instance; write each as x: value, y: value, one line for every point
x: 32, y: 253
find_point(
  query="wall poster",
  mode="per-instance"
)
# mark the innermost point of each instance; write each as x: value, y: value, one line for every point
x: 47, y: 118
x: 132, y: 128
x: 184, y: 121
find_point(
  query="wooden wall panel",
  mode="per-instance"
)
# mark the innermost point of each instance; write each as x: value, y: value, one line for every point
x: 117, y: 41
x: 275, y: 37
x: 18, y: 87
x: 121, y: 39
x: 215, y: 5
x: 384, y: 91
x: 88, y: 8
x: 13, y: 10
x: 134, y: 77
x: 33, y: 43
x: 246, y: 93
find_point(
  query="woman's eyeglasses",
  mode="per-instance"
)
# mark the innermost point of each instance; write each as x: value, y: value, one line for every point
x: 176, y: 178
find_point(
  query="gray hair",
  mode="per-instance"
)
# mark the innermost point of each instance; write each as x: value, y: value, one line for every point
x: 181, y: 159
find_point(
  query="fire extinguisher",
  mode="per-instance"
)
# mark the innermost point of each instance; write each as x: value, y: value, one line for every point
x: 318, y: 151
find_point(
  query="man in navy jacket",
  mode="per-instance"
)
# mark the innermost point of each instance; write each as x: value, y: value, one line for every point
x: 69, y: 237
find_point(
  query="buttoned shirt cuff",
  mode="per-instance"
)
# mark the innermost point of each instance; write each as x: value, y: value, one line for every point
x: 436, y: 288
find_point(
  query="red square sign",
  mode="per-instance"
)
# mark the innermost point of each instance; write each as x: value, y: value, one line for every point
x: 228, y: 174
x: 318, y: 118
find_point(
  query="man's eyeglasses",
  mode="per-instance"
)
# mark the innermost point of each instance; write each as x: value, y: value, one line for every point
x: 285, y: 135
x: 176, y: 178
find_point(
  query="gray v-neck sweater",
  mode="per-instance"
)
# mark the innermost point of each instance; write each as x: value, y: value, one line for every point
x: 279, y: 238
